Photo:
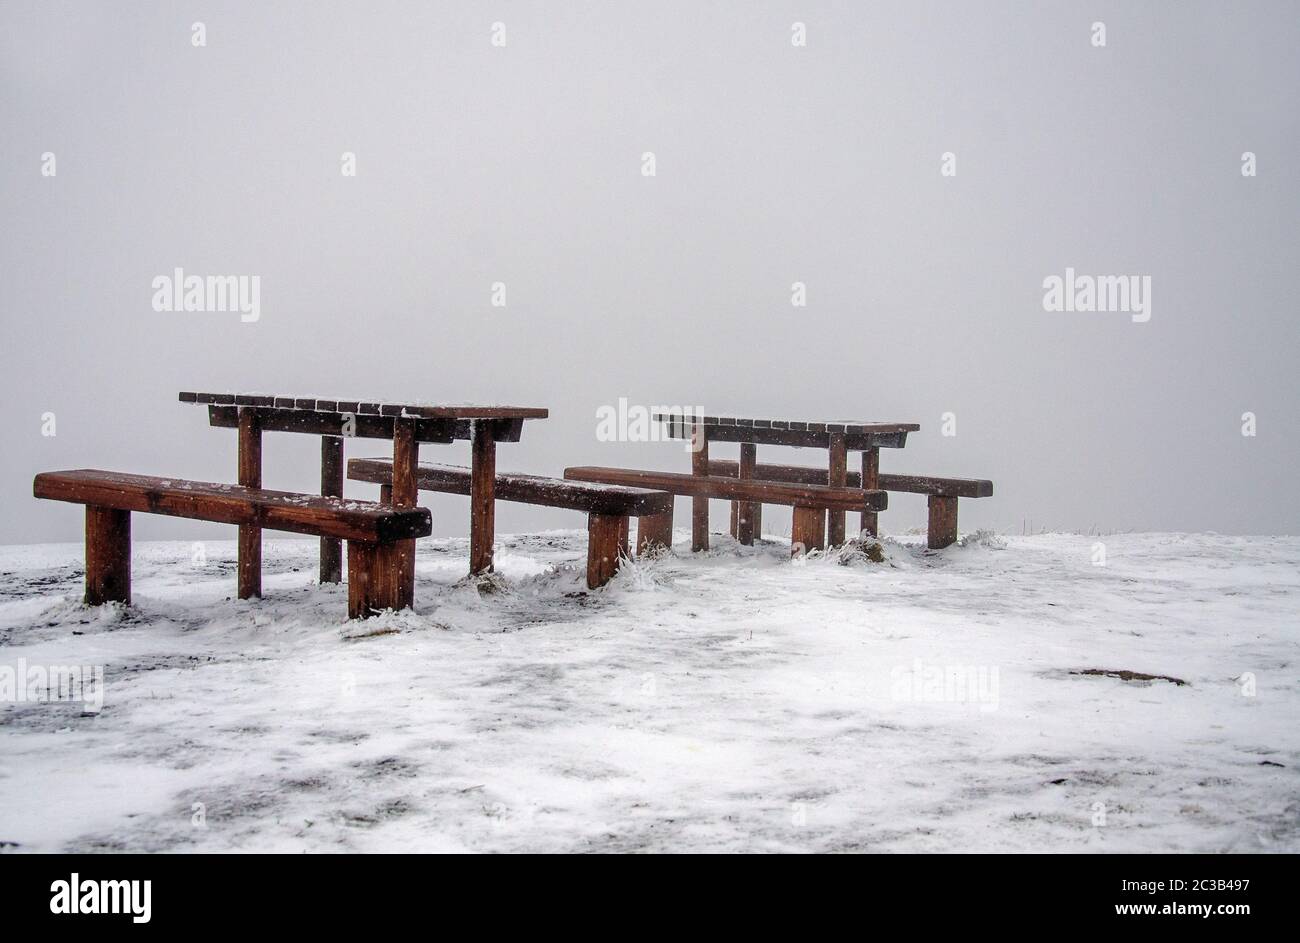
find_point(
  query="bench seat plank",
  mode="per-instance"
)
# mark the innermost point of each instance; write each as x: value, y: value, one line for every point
x: 912, y: 484
x: 235, y: 504
x: 737, y: 489
x: 525, y: 489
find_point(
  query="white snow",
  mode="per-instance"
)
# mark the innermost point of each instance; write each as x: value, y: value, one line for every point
x: 725, y: 702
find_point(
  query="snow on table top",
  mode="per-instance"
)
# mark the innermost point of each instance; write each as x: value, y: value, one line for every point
x: 732, y: 700
x: 376, y: 407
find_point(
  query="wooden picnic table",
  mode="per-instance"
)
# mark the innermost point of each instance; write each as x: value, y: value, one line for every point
x: 406, y: 424
x: 838, y: 438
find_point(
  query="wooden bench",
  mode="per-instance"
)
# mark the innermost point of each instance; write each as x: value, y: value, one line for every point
x: 943, y: 492
x: 608, y: 507
x: 371, y: 530
x: 810, y: 501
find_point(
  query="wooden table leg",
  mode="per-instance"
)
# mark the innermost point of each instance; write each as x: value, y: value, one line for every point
x: 837, y: 477
x: 745, y: 509
x: 870, y: 481
x: 250, y: 476
x: 700, y: 505
x: 406, y: 456
x: 482, y: 496
x: 331, y: 485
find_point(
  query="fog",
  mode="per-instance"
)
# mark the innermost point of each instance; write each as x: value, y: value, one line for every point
x: 523, y: 164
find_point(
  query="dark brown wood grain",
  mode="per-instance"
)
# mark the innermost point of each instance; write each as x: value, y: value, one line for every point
x: 108, y: 555
x: 746, y: 510
x: 360, y: 425
x: 250, y: 476
x: 836, y: 477
x: 482, y: 501
x: 524, y: 489
x: 406, y: 456
x: 699, y: 499
x: 234, y: 504
x: 942, y: 529
x: 331, y: 485
x: 353, y: 425
x: 681, y: 422
x: 375, y: 579
x: 603, y: 532
x: 727, y: 488
x: 416, y: 410
x: 912, y: 484
x: 869, y: 521
x: 654, y: 532
x: 857, y: 435
x: 808, y: 530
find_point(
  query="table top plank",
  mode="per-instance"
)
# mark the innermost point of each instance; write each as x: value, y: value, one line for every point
x: 851, y: 427
x: 381, y: 408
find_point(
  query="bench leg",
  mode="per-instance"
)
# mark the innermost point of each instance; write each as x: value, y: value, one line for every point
x: 108, y: 555
x: 758, y: 520
x: 869, y: 525
x: 375, y: 580
x: 654, y: 532
x: 735, y: 519
x: 385, y: 494
x: 623, y: 533
x: 602, y: 547
x: 331, y: 485
x: 808, y: 532
x: 250, y: 476
x: 943, y: 521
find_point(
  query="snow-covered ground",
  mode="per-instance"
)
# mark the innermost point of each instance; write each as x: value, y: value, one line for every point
x: 732, y: 701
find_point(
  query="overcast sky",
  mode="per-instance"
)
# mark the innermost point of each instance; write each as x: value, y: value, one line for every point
x: 775, y: 163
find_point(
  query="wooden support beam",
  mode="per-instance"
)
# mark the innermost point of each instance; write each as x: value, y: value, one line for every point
x: 331, y: 485
x: 745, y: 509
x: 654, y: 532
x: 108, y: 555
x: 250, y: 476
x: 836, y: 477
x: 699, y: 503
x: 808, y: 531
x: 943, y: 521
x: 406, y: 456
x: 482, y: 499
x: 869, y: 526
x: 602, y: 547
x: 624, y: 529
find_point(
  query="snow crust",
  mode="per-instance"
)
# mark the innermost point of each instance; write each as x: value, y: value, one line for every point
x: 733, y: 701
